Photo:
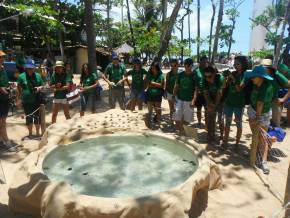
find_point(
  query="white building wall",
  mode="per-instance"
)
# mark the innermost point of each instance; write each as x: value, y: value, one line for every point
x: 258, y: 34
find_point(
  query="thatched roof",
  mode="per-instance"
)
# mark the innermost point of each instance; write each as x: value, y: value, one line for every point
x: 124, y: 49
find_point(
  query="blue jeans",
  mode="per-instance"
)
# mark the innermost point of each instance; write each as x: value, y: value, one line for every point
x: 85, y: 98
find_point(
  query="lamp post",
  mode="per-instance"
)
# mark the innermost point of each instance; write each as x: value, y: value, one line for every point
x: 26, y: 12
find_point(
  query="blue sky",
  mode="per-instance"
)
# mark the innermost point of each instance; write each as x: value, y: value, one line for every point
x: 241, y: 34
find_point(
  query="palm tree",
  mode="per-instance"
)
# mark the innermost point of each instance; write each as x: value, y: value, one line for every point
x: 198, y: 29
x: 217, y: 30
x: 91, y: 35
x: 166, y: 32
x: 213, y: 4
x: 130, y: 24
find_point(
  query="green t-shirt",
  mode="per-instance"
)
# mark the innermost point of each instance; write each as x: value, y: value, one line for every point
x: 4, y: 82
x: 62, y: 78
x: 170, y: 83
x: 27, y: 84
x: 199, y: 77
x: 264, y: 93
x: 234, y: 97
x: 137, y: 78
x: 89, y: 80
x: 158, y: 79
x: 279, y: 81
x: 186, y: 85
x: 214, y: 88
x: 115, y: 73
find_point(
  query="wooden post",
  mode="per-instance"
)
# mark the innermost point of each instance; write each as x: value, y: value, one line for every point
x: 42, y: 118
x: 287, y: 194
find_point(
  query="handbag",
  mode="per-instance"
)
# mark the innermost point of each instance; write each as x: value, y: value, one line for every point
x: 277, y: 132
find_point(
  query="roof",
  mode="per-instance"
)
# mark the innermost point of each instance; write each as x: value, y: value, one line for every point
x: 124, y: 49
x: 101, y: 50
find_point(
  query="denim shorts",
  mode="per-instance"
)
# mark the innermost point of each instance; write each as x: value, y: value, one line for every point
x: 237, y: 111
x: 136, y: 94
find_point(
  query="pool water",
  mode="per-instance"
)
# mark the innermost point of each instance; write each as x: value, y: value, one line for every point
x: 121, y: 166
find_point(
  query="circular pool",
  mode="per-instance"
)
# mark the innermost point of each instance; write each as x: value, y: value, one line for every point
x: 121, y: 166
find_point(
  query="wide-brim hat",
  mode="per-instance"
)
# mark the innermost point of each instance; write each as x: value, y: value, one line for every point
x: 267, y: 62
x: 59, y: 64
x: 2, y: 53
x: 258, y: 71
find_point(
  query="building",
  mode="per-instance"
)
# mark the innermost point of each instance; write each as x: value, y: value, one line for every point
x: 258, y: 35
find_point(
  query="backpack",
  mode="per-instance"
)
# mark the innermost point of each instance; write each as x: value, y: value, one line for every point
x: 277, y: 132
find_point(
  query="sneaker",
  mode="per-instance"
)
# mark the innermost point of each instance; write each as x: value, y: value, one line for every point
x: 265, y: 167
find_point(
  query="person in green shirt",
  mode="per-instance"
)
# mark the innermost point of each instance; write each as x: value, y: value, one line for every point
x: 284, y: 69
x: 69, y: 72
x: 115, y: 77
x: 137, y: 85
x: 186, y: 92
x: 169, y: 85
x: 235, y: 100
x: 88, y: 84
x: 29, y: 86
x: 4, y: 103
x: 199, y: 75
x: 212, y: 90
x: 60, y: 82
x: 279, y: 82
x: 259, y: 112
x: 154, y: 83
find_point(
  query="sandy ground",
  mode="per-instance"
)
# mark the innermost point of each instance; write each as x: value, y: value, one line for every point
x: 245, y: 193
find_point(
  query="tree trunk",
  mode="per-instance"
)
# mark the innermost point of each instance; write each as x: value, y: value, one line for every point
x: 91, y: 35
x: 122, y: 12
x: 198, y: 29
x: 231, y: 37
x: 286, y: 59
x: 108, y: 24
x: 217, y: 30
x: 59, y: 32
x: 211, y: 27
x: 280, y: 41
x: 188, y: 21
x: 131, y: 27
x: 166, y: 32
x: 164, y: 10
x: 182, y: 47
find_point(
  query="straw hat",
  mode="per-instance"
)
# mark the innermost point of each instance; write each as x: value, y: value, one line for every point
x: 267, y: 62
x: 2, y: 53
x: 59, y: 64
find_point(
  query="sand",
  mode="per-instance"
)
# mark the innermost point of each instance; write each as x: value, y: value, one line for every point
x: 245, y: 193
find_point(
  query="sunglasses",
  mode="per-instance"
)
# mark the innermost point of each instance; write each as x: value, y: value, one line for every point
x: 174, y: 65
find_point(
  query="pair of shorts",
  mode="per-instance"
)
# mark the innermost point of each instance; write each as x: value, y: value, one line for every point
x: 169, y: 96
x: 31, y: 113
x: 237, y: 111
x: 200, y: 101
x: 264, y: 118
x: 60, y: 101
x: 183, y: 110
x: 136, y: 94
x: 84, y: 100
x: 4, y: 108
x: 154, y: 98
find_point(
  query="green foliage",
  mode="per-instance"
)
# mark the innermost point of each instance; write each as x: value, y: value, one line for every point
x: 272, y: 19
x: 262, y: 53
